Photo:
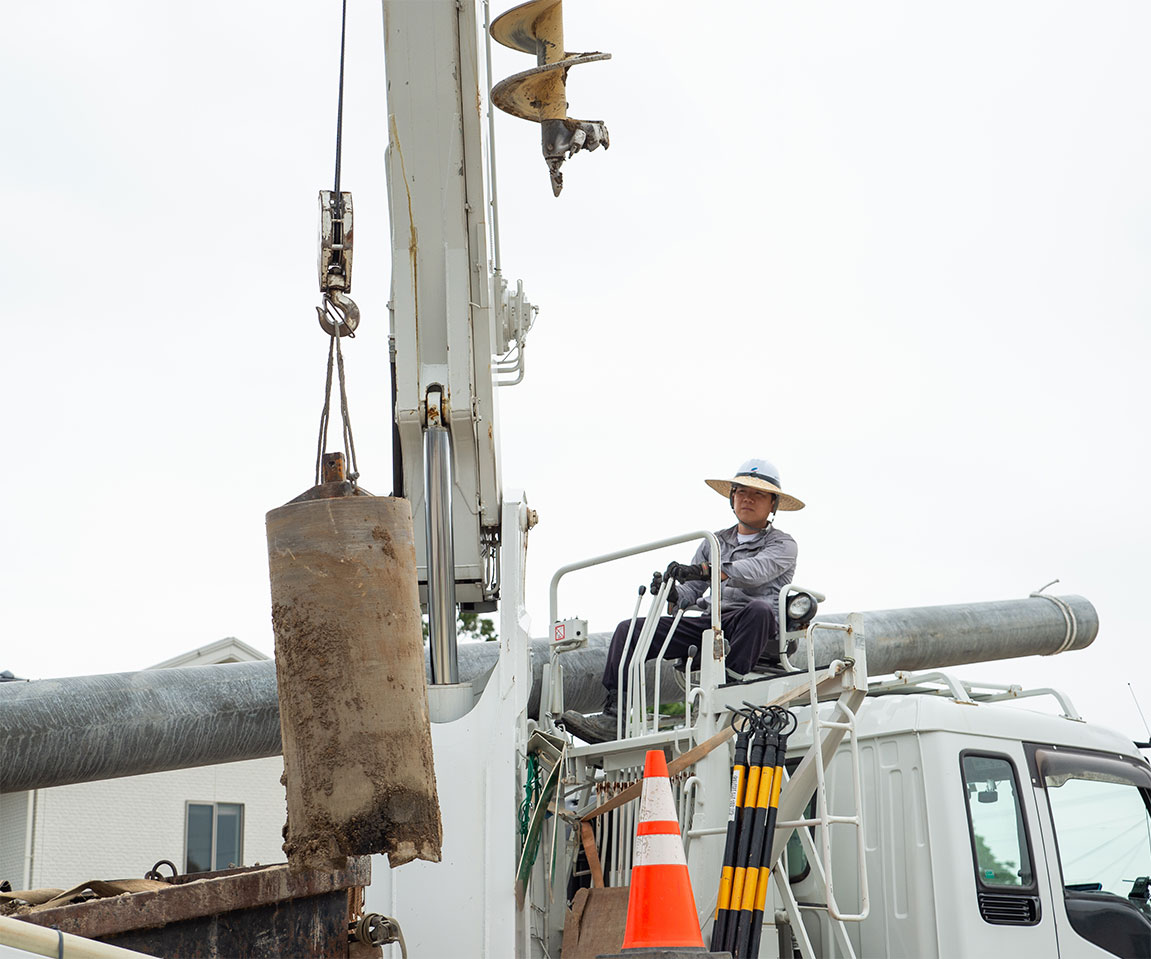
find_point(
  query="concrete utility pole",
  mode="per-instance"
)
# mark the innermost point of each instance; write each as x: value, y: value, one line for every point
x: 57, y: 731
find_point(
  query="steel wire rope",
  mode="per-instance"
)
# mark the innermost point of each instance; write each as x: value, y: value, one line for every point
x: 349, y: 442
x: 340, y: 105
x: 334, y: 351
x: 336, y: 359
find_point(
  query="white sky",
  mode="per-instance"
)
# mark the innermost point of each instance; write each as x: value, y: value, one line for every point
x: 899, y: 248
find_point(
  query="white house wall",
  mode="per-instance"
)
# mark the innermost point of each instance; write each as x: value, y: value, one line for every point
x: 119, y: 828
x: 13, y: 830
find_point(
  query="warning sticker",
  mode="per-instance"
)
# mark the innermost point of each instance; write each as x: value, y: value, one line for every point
x: 733, y: 805
x: 561, y: 631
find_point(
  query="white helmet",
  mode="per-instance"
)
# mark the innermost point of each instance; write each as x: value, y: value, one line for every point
x: 761, y: 475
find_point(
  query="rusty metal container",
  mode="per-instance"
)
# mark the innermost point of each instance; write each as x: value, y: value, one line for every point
x: 350, y: 677
x: 252, y: 911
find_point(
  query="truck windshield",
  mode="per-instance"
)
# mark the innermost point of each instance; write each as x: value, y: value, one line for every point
x: 1099, y: 805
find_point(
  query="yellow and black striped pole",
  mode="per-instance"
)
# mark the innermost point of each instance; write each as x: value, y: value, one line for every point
x: 768, y: 842
x: 738, y: 794
x: 755, y: 883
x: 743, y: 846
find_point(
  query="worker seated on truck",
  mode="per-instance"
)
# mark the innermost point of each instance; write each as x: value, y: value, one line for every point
x: 757, y: 561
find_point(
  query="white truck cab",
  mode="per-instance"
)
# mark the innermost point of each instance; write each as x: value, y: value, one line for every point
x: 988, y: 829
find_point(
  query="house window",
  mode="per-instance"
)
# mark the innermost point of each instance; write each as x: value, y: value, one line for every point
x: 214, y: 836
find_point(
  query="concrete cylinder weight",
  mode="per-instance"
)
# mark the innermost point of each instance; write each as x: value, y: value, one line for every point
x: 350, y: 676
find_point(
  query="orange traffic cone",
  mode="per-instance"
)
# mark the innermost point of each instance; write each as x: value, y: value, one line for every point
x: 660, y: 908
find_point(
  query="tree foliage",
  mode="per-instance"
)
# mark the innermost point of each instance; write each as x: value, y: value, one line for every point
x: 994, y: 871
x: 471, y: 626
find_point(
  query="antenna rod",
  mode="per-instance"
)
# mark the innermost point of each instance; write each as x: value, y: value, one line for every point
x: 1146, y: 745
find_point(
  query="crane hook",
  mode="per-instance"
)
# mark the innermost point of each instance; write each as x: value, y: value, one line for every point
x: 339, y: 312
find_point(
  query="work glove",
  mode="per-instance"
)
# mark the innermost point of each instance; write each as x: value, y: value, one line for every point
x: 685, y: 573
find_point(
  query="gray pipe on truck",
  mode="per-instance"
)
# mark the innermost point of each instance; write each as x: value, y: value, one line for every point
x: 934, y: 637
x: 58, y: 731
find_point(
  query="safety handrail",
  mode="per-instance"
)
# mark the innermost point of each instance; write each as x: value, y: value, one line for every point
x: 553, y: 589
x: 553, y: 605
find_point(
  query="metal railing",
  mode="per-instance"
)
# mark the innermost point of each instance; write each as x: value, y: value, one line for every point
x: 633, y: 694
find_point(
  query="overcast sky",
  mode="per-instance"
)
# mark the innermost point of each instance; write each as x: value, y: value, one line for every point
x: 901, y: 249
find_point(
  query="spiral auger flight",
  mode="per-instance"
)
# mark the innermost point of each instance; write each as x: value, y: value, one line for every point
x: 540, y: 94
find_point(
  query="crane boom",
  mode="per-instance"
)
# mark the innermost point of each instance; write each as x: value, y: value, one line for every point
x: 442, y: 297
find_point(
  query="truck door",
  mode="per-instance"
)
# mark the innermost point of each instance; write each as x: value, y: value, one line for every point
x: 1095, y: 815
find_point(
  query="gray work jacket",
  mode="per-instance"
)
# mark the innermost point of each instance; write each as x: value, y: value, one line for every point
x: 758, y: 569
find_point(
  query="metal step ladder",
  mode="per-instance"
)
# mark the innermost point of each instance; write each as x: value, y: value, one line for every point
x: 827, y: 734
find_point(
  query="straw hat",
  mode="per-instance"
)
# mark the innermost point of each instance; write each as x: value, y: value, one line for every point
x: 757, y: 474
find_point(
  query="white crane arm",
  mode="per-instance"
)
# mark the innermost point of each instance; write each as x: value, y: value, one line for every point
x: 442, y: 287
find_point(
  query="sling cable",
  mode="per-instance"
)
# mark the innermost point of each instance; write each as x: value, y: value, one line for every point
x: 346, y: 620
x: 338, y: 314
x: 756, y: 778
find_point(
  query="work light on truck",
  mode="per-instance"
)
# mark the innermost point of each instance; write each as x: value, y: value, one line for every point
x: 801, y: 609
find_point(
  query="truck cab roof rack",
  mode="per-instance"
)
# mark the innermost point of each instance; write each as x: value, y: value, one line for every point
x: 942, y: 683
